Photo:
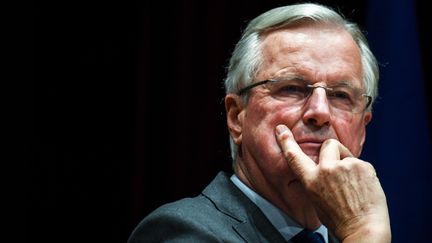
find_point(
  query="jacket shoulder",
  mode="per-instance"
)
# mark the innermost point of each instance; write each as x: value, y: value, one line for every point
x: 186, y: 220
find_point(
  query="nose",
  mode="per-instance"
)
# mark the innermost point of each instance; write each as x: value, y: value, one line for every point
x: 317, y: 110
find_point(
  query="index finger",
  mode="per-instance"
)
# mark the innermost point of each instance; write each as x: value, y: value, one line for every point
x: 332, y: 150
x: 297, y: 160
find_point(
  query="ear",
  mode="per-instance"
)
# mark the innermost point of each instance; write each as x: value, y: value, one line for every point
x: 235, y: 115
x: 367, y: 117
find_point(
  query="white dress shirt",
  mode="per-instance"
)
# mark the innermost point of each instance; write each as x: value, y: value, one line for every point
x: 284, y: 224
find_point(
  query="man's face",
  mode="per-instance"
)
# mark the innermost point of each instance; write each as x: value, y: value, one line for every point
x: 322, y: 55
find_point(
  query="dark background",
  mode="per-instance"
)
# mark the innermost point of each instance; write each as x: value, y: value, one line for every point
x: 124, y: 107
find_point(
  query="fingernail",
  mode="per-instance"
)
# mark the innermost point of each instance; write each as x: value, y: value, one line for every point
x: 281, y: 129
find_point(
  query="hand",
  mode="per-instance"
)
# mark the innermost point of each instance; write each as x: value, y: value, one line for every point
x: 344, y: 190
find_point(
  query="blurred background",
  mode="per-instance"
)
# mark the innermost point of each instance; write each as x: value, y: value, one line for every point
x: 124, y: 110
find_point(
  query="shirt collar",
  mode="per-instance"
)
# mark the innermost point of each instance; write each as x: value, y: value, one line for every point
x: 282, y: 222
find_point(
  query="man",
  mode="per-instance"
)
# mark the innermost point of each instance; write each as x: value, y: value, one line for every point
x: 300, y: 86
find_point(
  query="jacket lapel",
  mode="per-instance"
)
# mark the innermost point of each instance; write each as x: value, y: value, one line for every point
x: 250, y: 223
x: 332, y: 238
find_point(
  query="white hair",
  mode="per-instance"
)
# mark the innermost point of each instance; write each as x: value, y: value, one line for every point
x: 247, y: 58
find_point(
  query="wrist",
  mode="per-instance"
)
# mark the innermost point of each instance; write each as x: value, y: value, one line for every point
x: 377, y: 233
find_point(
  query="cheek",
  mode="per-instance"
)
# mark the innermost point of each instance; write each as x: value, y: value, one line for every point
x: 267, y: 116
x: 259, y: 129
x: 350, y: 134
x: 259, y: 133
x: 262, y: 119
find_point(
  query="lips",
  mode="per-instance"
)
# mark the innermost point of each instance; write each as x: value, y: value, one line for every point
x: 311, y: 147
x: 310, y: 140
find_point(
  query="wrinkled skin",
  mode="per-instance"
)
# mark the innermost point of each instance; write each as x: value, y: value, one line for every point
x: 307, y: 170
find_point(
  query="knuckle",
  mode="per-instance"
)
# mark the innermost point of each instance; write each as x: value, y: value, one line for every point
x: 358, y: 165
x: 290, y: 155
x: 292, y: 159
x: 312, y: 185
x: 327, y: 168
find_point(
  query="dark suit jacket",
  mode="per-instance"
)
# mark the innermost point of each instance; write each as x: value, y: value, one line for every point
x: 221, y: 213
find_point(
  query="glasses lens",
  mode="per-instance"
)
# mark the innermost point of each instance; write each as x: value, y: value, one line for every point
x: 296, y: 92
x: 344, y: 98
x: 290, y: 91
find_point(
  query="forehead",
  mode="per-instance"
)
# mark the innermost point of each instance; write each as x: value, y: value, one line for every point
x: 317, y: 51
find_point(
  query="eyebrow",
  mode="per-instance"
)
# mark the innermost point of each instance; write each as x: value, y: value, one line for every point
x: 346, y: 84
x: 290, y: 77
x: 340, y: 83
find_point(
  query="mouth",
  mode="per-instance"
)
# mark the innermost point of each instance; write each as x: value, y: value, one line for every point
x: 311, y: 147
x: 311, y: 143
x: 312, y: 140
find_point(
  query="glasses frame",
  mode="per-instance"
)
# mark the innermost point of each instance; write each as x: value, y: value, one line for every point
x: 243, y: 90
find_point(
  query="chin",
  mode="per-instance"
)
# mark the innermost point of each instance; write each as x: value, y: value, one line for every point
x: 312, y: 150
x: 314, y: 157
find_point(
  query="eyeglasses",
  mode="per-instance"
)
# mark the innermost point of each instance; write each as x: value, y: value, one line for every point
x: 343, y: 97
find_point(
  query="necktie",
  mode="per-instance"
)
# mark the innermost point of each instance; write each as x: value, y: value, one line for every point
x: 307, y: 236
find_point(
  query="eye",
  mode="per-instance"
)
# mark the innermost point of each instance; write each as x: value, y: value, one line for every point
x: 338, y: 94
x: 341, y: 97
x: 291, y: 90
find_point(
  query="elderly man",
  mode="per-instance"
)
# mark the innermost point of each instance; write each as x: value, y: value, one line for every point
x: 300, y: 86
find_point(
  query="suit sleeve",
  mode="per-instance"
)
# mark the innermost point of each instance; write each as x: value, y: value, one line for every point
x: 170, y: 224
